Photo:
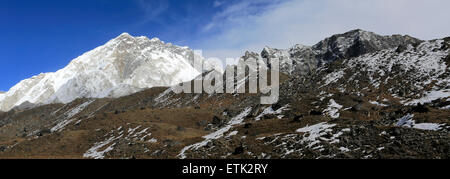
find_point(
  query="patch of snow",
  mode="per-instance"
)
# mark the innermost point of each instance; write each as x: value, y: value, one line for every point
x: 98, y: 109
x: 428, y: 126
x: 322, y: 96
x: 266, y: 111
x: 95, y: 152
x: 217, y: 134
x: 232, y: 133
x: 263, y: 155
x: 260, y: 138
x: 378, y: 104
x: 163, y: 96
x: 144, y: 131
x: 333, y: 109
x: 429, y: 97
x: 344, y: 149
x: 68, y: 115
x: 407, y: 121
x: 314, y: 132
x: 54, y: 112
x: 60, y: 126
x: 346, y: 109
x: 333, y: 77
x: 132, y: 130
x: 269, y: 110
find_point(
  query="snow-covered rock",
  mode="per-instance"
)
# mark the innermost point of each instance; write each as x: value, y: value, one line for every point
x: 298, y: 60
x: 406, y: 73
x: 407, y: 121
x: 333, y: 109
x: 122, y: 66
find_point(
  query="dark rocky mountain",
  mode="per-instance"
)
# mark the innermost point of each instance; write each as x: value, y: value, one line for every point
x: 302, y: 60
x: 359, y: 42
x: 354, y: 95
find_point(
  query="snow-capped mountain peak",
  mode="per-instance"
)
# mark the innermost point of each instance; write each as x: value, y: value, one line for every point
x: 124, y: 65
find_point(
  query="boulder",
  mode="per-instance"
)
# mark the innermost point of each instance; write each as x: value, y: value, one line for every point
x: 217, y: 121
x: 238, y: 150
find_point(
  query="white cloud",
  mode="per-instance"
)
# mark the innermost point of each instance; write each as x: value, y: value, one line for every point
x: 217, y: 3
x: 282, y: 25
x: 238, y: 13
x: 152, y: 9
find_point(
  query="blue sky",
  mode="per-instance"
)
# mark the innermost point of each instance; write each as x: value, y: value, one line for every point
x: 45, y: 35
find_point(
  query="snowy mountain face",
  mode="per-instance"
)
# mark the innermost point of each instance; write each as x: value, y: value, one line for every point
x: 122, y: 66
x: 412, y: 74
x: 1, y: 95
x: 301, y: 59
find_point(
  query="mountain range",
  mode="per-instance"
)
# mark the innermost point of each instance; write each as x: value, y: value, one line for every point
x: 352, y: 95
